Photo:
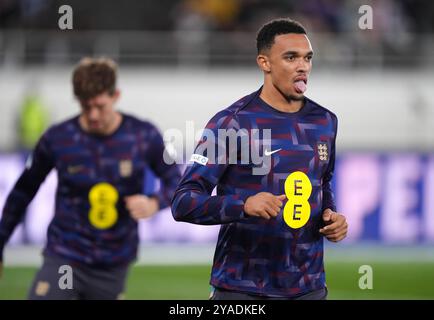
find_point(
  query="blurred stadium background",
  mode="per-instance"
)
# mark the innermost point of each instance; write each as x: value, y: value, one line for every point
x: 183, y: 60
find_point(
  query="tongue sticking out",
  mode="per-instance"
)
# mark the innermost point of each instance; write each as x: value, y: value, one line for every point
x: 300, y: 86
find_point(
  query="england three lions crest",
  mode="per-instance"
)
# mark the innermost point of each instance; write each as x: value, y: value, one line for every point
x: 323, y: 151
x: 125, y: 168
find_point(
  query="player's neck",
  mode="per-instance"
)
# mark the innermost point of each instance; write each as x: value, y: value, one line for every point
x: 278, y: 101
x: 114, y: 125
x: 111, y: 128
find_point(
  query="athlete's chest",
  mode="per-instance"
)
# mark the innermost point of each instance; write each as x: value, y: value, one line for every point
x: 287, y: 144
x: 87, y: 159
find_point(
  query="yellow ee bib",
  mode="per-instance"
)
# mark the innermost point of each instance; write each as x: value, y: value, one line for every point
x: 103, y: 198
x: 298, y: 189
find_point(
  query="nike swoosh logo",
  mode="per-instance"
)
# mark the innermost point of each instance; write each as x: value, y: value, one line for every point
x: 269, y: 153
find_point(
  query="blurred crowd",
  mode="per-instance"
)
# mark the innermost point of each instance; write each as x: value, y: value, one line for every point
x: 210, y: 32
x: 227, y: 15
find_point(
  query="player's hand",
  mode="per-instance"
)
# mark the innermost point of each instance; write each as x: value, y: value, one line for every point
x: 141, y: 206
x: 336, y: 227
x: 264, y: 204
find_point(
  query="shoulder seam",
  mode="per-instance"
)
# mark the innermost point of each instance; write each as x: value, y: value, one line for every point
x: 322, y: 108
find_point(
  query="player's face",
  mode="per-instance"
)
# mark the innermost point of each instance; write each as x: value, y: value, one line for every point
x: 290, y: 63
x: 98, y: 113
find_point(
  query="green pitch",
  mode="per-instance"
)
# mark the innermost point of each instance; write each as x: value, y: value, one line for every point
x: 392, y: 280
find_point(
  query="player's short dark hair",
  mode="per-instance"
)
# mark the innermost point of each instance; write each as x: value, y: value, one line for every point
x: 267, y: 33
x: 92, y: 77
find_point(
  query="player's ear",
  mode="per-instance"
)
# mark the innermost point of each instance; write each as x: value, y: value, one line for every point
x: 116, y: 94
x: 263, y: 63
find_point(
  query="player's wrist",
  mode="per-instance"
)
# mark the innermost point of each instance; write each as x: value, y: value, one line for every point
x: 154, y: 203
x: 248, y: 205
x: 333, y: 209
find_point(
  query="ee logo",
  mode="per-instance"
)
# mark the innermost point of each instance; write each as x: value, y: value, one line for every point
x: 103, y: 198
x: 298, y: 189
